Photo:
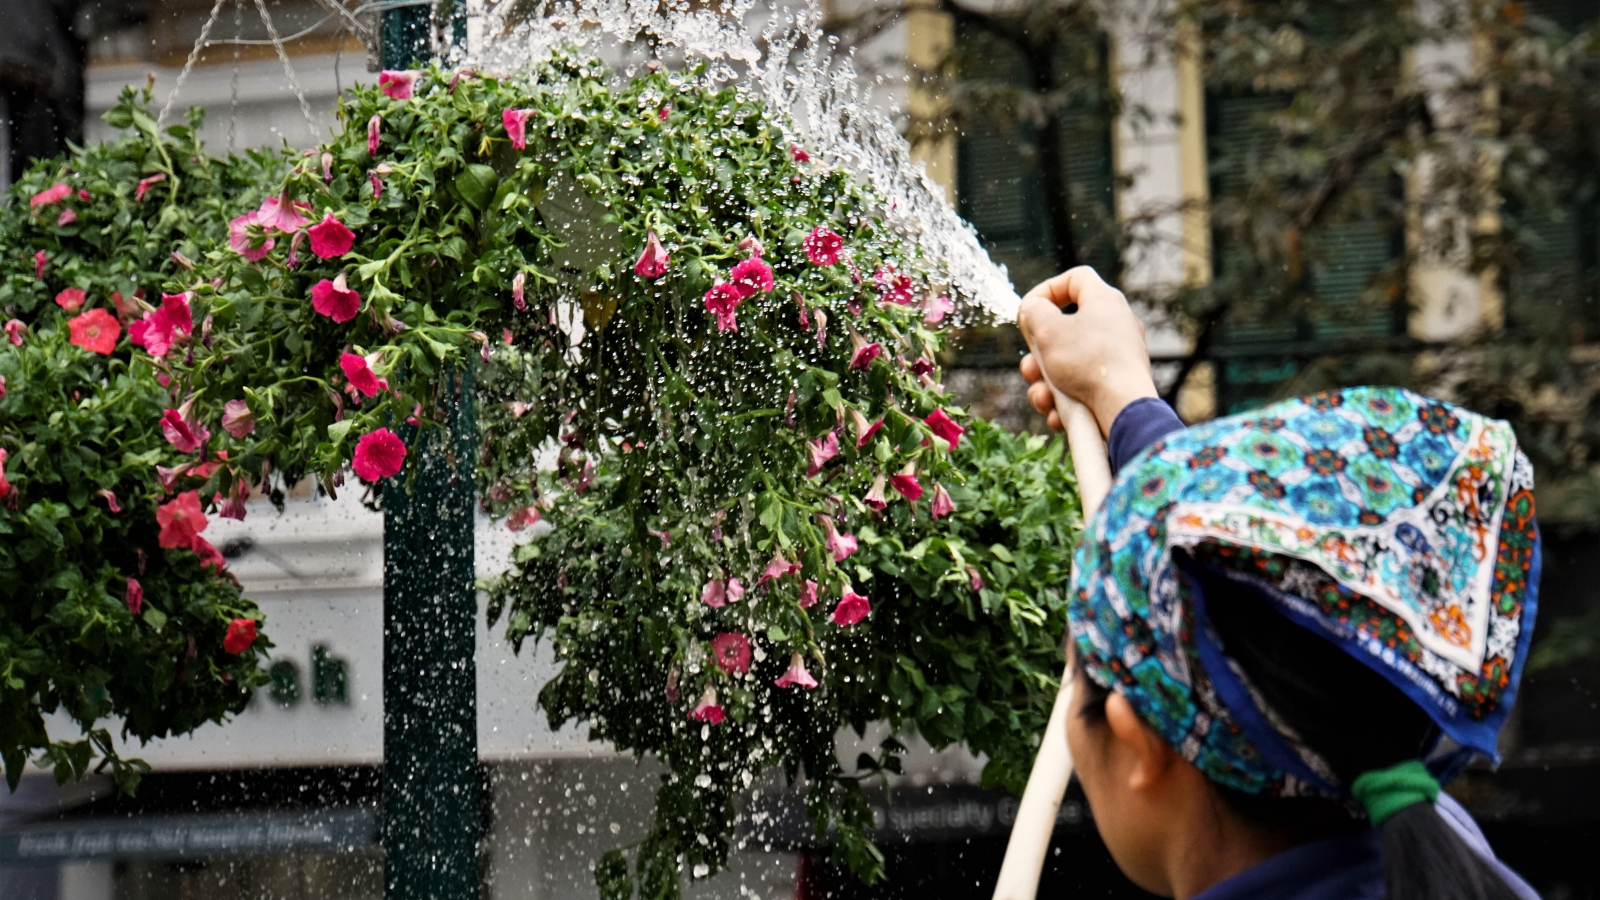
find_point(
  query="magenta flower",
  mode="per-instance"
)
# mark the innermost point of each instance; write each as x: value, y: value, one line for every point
x: 522, y: 518
x: 374, y: 134
x: 921, y: 366
x: 735, y: 590
x: 852, y: 608
x: 864, y: 352
x: 516, y: 123
x: 822, y: 449
x: 721, y: 301
x: 752, y: 275
x: 864, y: 429
x: 135, y: 596
x: 358, y: 369
x: 5, y: 485
x: 653, y: 261
x: 396, y: 84
x: 905, y: 482
x: 66, y: 218
x: 248, y: 238
x: 335, y: 300
x: 84, y: 195
x: 377, y: 184
x: 707, y: 709
x: 161, y: 327
x: 714, y: 594
x: 776, y: 569
x: 797, y: 676
x: 282, y: 214
x: 840, y: 545
x: 330, y: 237
x: 40, y: 261
x: 942, y: 504
x: 731, y: 650
x: 182, y: 431
x: 70, y: 299
x: 237, y: 419
x: 945, y: 427
x: 822, y: 246
x: 665, y: 111
x: 799, y: 155
x: 379, y: 454
x: 808, y: 594
x: 934, y: 309
x: 874, y: 497
x: 50, y: 196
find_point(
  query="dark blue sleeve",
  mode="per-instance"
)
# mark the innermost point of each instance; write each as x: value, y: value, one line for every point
x: 1140, y: 424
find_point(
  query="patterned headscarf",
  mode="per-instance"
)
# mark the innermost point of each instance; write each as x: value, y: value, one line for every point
x: 1398, y: 527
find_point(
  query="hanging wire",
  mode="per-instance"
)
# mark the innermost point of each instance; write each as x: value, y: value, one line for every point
x: 233, y: 106
x: 188, y: 65
x: 294, y: 83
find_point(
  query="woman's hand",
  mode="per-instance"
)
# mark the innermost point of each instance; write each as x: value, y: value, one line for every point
x: 1091, y: 343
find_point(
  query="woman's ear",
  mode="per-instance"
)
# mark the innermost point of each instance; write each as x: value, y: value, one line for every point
x: 1151, y: 757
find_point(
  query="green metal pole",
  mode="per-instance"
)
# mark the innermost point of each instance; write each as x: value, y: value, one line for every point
x: 431, y: 814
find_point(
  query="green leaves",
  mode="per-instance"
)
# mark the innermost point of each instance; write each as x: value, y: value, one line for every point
x: 476, y: 185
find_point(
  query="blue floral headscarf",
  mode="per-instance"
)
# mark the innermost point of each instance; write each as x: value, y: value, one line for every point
x: 1398, y: 527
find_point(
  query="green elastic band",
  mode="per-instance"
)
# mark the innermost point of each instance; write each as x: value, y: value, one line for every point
x: 1385, y: 792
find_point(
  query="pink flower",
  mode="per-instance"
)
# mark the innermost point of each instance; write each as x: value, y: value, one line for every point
x: 335, y: 300
x: 974, y: 579
x: 398, y: 85
x: 942, y: 504
x: 210, y: 556
x: 379, y: 454
x: 863, y: 353
x: 714, y: 594
x: 516, y: 123
x: 922, y: 366
x: 159, y: 328
x: 84, y: 195
x: 945, y: 427
x: 852, y: 608
x: 721, y: 301
x: 66, y: 218
x: 799, y: 155
x: 874, y: 497
x: 519, y: 287
x: 2, y: 387
x: 808, y: 594
x: 864, y: 429
x: 840, y: 545
x: 181, y: 521
x: 665, y: 537
x: 653, y: 261
x: 111, y: 500
x: 96, y: 331
x: 752, y: 275
x: 282, y: 214
x: 330, y: 238
x: 776, y: 569
x: 135, y: 595
x: 797, y: 676
x: 522, y: 518
x: 934, y: 309
x: 707, y: 709
x: 377, y: 184
x: 665, y: 111
x: 232, y: 507
x: 585, y: 478
x: 237, y: 419
x: 327, y: 166
x: 906, y: 482
x: 14, y: 331
x: 822, y: 449
x: 50, y: 195
x: 731, y: 651
x: 358, y: 370
x: 374, y: 134
x: 893, y: 288
x: 70, y: 299
x: 247, y: 238
x: 735, y: 590
x: 5, y: 485
x: 145, y: 184
x: 822, y: 246
x: 241, y: 634
x: 822, y: 329
x: 40, y: 261
x: 182, y: 430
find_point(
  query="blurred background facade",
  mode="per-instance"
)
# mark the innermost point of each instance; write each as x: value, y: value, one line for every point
x: 1298, y: 195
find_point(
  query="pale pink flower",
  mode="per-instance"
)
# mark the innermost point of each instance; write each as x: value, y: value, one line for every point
x: 822, y: 246
x: 374, y: 134
x: 796, y: 676
x: 50, y: 196
x: 821, y: 450
x: 721, y: 301
x: 934, y: 309
x: 14, y: 331
x: 863, y: 352
x: 145, y: 184
x: 66, y: 218
x: 838, y: 544
x: 777, y: 568
x: 731, y: 650
x: 864, y: 430
x: 282, y: 214
x: 111, y: 500
x: 396, y: 84
x: 519, y: 287
x: 665, y: 537
x: 735, y: 590
x: 942, y: 504
x: 808, y: 594
x: 875, y: 498
x: 516, y: 124
x: 707, y: 709
x: 335, y: 300
x: 248, y: 238
x: 358, y: 370
x: 182, y: 430
x: 237, y: 419
x: 852, y: 608
x: 714, y: 594
x: 905, y: 481
x: 974, y: 579
x: 945, y: 427
x: 330, y: 237
x: 653, y: 261
x: 184, y: 262
x: 327, y: 166
x: 822, y: 329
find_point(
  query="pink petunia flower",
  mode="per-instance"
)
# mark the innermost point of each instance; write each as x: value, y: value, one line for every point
x: 665, y: 111
x: 714, y: 594
x: 135, y: 596
x: 5, y: 484
x: 875, y: 498
x: 731, y: 650
x: 327, y: 166
x: 84, y: 195
x: 145, y: 184
x: 752, y: 275
x: 70, y: 299
x: 292, y: 261
x: 66, y: 218
x: 50, y: 196
x: 519, y: 288
x: 232, y: 507
x: 777, y: 568
x: 934, y: 309
x: 2, y: 387
x: 335, y: 300
x: 377, y: 184
x: 822, y: 329
x: 974, y: 580
x: 161, y: 327
x: 821, y: 450
x: 822, y: 246
x: 112, y: 504
x: 942, y: 504
x: 721, y: 301
x: 358, y: 369
x: 181, y: 521
x: 182, y: 430
x: 40, y: 261
x: 852, y: 608
x: 330, y: 237
x: 864, y: 430
x: 921, y: 366
x: 707, y: 709
x: 241, y: 634
x: 893, y: 287
x: 653, y: 260
x: 210, y: 556
x: 398, y: 84
x: 237, y: 419
x: 282, y: 214
x: 96, y: 331
x: 735, y: 590
x: 840, y: 545
x: 14, y: 331
x: 808, y: 594
x: 945, y: 427
x: 248, y: 238
x: 863, y: 352
x: 379, y: 454
x: 522, y: 518
x: 798, y: 155
x: 796, y: 676
x: 374, y: 134
x: 516, y: 123
x: 905, y: 482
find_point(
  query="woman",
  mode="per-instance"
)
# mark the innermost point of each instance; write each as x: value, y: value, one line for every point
x: 1287, y: 627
